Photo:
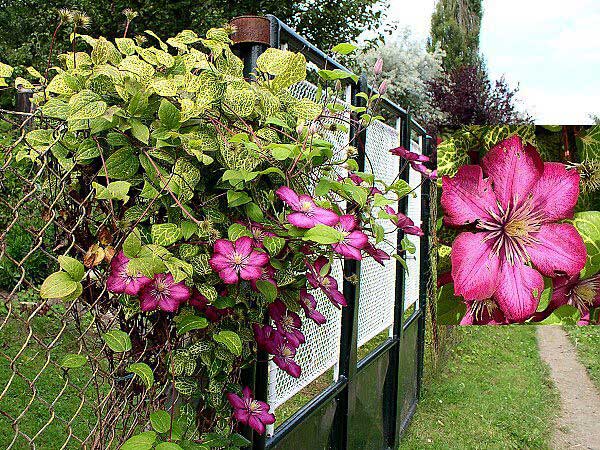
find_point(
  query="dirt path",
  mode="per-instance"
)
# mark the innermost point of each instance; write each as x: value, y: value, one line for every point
x: 578, y: 426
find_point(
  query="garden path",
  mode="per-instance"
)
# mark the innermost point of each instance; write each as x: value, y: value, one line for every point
x: 578, y: 426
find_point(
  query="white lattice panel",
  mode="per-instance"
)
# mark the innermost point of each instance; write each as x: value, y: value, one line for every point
x: 377, y: 284
x: 411, y: 278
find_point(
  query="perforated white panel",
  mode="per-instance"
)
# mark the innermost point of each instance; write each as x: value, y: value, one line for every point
x: 411, y: 278
x: 377, y: 284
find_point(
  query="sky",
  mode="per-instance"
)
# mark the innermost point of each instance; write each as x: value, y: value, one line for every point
x: 549, y: 48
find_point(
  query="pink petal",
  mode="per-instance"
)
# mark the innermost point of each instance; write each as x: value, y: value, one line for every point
x: 235, y: 400
x: 514, y: 170
x: 258, y: 258
x: 415, y: 231
x: 519, y: 291
x: 277, y: 310
x: 560, y: 249
x: 347, y: 222
x: 179, y: 292
x: 169, y: 304
x: 133, y: 288
x: 325, y: 216
x: 467, y: 197
x: 147, y: 301
x: 219, y: 262
x: 347, y: 251
x: 223, y: 246
x: 243, y: 245
x: 289, y: 197
x: 251, y: 273
x: 557, y: 191
x: 256, y: 424
x: 115, y: 283
x: 229, y: 275
x: 266, y: 417
x: 247, y: 392
x: 357, y: 239
x: 242, y: 415
x: 474, y: 266
x: 301, y: 220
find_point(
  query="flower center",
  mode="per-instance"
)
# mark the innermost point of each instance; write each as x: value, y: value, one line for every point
x: 305, y: 207
x: 237, y: 259
x: 254, y: 407
x: 286, y: 352
x: 287, y: 323
x: 512, y: 230
x: 583, y: 294
x: 161, y: 287
x: 480, y: 307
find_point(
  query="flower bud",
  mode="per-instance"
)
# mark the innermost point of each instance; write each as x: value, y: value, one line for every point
x: 338, y: 85
x: 378, y: 67
x: 383, y: 87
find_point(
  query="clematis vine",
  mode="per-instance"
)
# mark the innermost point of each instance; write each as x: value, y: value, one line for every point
x: 238, y: 260
x: 354, y: 239
x: 163, y: 293
x: 120, y: 280
x: 306, y: 214
x: 250, y: 411
x: 516, y: 235
x: 309, y: 305
x: 571, y: 290
x: 318, y: 278
x: 403, y: 222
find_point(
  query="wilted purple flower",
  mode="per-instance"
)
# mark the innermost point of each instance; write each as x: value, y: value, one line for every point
x: 403, y: 222
x: 288, y: 323
x: 120, y: 281
x: 318, y: 277
x: 249, y: 411
x: 239, y: 259
x: 163, y: 293
x: 306, y: 214
x: 408, y: 155
x: 309, y: 305
x: 354, y: 240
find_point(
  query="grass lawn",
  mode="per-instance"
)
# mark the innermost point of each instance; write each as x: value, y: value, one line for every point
x: 587, y: 341
x: 494, y: 392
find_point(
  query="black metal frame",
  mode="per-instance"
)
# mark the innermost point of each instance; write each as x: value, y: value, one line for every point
x: 373, y: 400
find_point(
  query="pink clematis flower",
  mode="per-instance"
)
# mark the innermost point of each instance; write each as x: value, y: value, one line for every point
x: 120, y: 281
x: 403, y: 222
x: 483, y: 312
x: 288, y: 323
x: 423, y: 170
x: 408, y: 155
x: 571, y: 290
x: 354, y: 240
x: 376, y: 253
x: 306, y: 214
x: 283, y: 352
x: 237, y: 260
x: 515, y: 210
x: 325, y: 282
x: 250, y: 411
x: 309, y: 305
x: 163, y: 293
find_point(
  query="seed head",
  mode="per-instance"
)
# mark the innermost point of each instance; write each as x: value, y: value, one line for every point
x: 130, y: 14
x: 81, y: 20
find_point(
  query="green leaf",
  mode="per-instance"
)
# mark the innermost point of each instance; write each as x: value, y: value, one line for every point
x: 231, y: 340
x: 168, y: 446
x: 267, y: 289
x: 58, y: 285
x: 142, y: 441
x: 336, y: 74
x: 588, y: 144
x: 237, y: 198
x: 139, y: 131
x: 169, y: 115
x: 125, y: 45
x: 189, y: 322
x: 344, y: 48
x: 122, y: 164
x: 143, y: 371
x: 236, y: 231
x: 73, y: 361
x: 56, y: 108
x: 165, y: 233
x: 565, y: 314
x: 239, y: 441
x: 118, y: 341
x: 132, y: 244
x: 450, y: 309
x: 588, y: 226
x: 273, y: 244
x: 254, y: 212
x: 116, y: 190
x: 161, y: 421
x: 73, y: 267
x: 323, y: 234
x: 546, y: 295
x: 86, y: 105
